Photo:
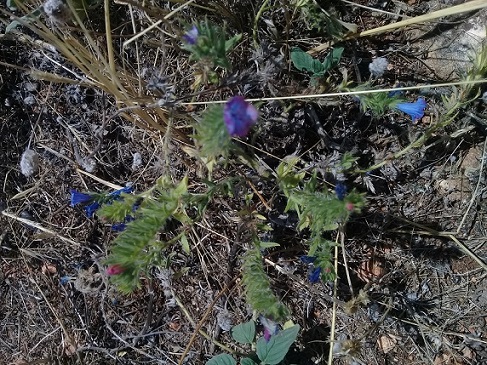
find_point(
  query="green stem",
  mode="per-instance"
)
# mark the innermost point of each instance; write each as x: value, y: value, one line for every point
x: 256, y: 21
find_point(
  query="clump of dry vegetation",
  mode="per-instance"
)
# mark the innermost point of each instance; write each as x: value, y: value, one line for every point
x: 272, y: 182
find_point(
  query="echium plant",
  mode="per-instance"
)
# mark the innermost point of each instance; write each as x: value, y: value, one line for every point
x: 141, y: 217
x: 209, y: 47
x: 207, y: 42
x: 257, y: 286
x: 218, y: 125
x: 138, y: 247
x: 318, y: 211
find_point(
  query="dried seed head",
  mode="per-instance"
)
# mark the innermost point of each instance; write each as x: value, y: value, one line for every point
x: 29, y: 162
x: 57, y: 11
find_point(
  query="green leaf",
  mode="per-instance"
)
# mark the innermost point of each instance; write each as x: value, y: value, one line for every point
x: 304, y: 62
x: 332, y: 58
x: 232, y: 42
x: 26, y: 19
x: 222, y: 359
x: 185, y: 244
x: 247, y: 361
x: 274, y: 351
x: 268, y: 244
x: 244, y: 332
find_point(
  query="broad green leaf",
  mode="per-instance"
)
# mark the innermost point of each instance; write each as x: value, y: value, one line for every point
x: 304, y: 62
x: 247, y: 361
x: 244, y: 332
x: 332, y: 58
x: 185, y: 244
x: 274, y: 351
x: 222, y: 359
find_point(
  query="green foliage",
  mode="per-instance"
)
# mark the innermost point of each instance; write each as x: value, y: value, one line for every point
x: 212, y: 45
x: 323, y: 21
x: 118, y: 209
x: 304, y: 62
x: 318, y: 211
x: 377, y: 103
x: 136, y: 249
x: 244, y: 332
x: 212, y: 138
x: 26, y: 19
x: 270, y: 352
x: 289, y: 180
x: 257, y: 287
x: 222, y: 359
x: 247, y: 361
x: 274, y: 351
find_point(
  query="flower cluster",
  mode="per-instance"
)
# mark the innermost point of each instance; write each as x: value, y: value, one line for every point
x: 239, y: 116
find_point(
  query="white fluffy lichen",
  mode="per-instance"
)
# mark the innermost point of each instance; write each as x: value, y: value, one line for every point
x: 29, y: 162
x: 378, y: 66
x: 57, y: 11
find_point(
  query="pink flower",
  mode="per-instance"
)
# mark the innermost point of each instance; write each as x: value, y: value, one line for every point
x: 115, y: 270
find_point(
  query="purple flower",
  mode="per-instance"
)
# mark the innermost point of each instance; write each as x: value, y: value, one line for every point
x: 191, y: 36
x: 79, y: 198
x: 239, y: 116
x: 415, y: 110
x: 270, y: 327
x: 340, y: 190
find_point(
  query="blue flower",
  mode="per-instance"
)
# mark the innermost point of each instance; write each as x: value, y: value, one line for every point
x: 314, y: 275
x: 415, y: 110
x: 239, y: 116
x: 90, y: 209
x: 116, y: 193
x: 80, y: 198
x: 191, y: 36
x: 119, y: 227
x: 308, y: 259
x: 340, y: 190
x: 90, y: 204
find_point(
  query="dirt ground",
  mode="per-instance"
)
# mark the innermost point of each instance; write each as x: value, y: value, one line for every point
x: 417, y: 250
